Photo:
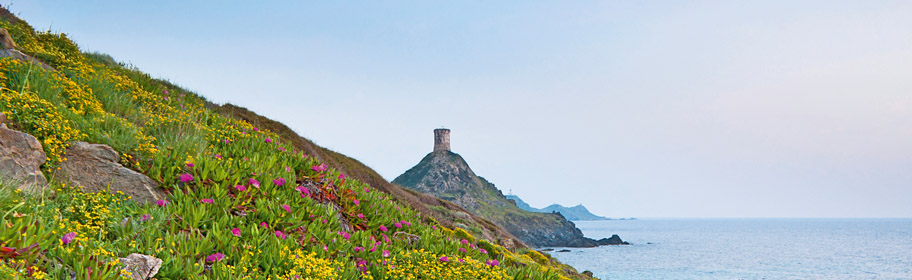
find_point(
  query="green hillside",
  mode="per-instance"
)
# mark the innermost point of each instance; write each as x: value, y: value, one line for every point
x: 243, y: 202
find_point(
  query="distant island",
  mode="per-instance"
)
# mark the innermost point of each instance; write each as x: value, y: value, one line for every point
x: 575, y: 213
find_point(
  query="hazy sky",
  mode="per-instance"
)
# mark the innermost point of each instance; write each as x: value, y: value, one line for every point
x: 633, y: 108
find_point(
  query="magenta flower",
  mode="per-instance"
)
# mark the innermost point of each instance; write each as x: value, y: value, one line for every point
x: 483, y: 251
x: 279, y: 182
x: 346, y: 235
x: 360, y: 216
x: 280, y: 234
x: 186, y: 177
x: 373, y: 249
x: 190, y: 165
x: 264, y: 224
x: 359, y: 249
x: 166, y: 98
x: 144, y: 218
x: 215, y: 257
x: 355, y: 200
x: 383, y: 228
x: 462, y: 250
x: 319, y: 168
x: 492, y: 262
x: 342, y: 176
x: 385, y: 254
x: 162, y: 202
x: 397, y: 225
x: 287, y: 169
x: 444, y: 258
x: 303, y: 190
x: 286, y: 207
x: 165, y: 92
x: 268, y: 140
x: 240, y: 188
x: 406, y: 223
x: 67, y: 238
x: 218, y: 156
x: 207, y: 201
x: 254, y: 183
x: 256, y: 129
x: 367, y: 190
x: 236, y: 232
x: 465, y: 241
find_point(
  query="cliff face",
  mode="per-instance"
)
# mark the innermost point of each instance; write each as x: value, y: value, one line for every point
x: 446, y: 175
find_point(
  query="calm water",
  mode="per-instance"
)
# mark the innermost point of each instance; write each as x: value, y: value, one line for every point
x: 748, y: 249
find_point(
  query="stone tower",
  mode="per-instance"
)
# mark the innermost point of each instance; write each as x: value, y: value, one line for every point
x: 441, y: 139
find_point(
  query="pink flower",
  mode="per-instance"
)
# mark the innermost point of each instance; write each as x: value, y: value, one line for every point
x: 287, y: 169
x: 207, y: 201
x: 166, y: 98
x: 67, y: 238
x: 279, y: 182
x: 215, y: 257
x: 303, y: 190
x: 236, y: 232
x: 256, y: 129
x: 162, y: 202
x: 190, y: 164
x: 406, y: 223
x: 367, y: 190
x: 268, y: 140
x: 218, y: 156
x: 342, y: 176
x: 444, y: 258
x: 165, y: 92
x: 360, y: 216
x: 280, y: 234
x: 286, y: 207
x: 397, y: 225
x: 373, y: 249
x: 385, y: 254
x: 359, y: 249
x: 492, y: 262
x: 465, y: 241
x: 186, y: 177
x: 264, y: 224
x: 483, y: 251
x: 144, y: 218
x: 383, y: 228
x: 346, y: 235
x: 254, y: 183
x: 319, y: 168
x: 240, y: 188
x: 355, y: 200
x: 462, y: 250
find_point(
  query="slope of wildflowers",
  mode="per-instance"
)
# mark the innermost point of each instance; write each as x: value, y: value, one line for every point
x: 243, y: 203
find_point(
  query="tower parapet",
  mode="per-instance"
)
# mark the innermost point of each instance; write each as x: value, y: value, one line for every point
x: 441, y: 139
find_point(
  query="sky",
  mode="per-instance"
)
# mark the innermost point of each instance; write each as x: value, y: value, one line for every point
x: 632, y: 108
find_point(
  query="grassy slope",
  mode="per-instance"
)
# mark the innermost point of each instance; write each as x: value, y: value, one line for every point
x: 250, y: 204
x: 445, y: 212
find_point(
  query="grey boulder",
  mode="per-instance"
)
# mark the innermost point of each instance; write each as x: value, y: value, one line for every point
x: 95, y: 167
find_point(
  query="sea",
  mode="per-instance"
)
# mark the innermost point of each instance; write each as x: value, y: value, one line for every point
x: 747, y: 249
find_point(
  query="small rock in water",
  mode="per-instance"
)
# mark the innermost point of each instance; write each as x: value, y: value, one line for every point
x: 563, y: 251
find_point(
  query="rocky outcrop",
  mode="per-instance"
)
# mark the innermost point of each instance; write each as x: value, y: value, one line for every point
x: 141, y: 267
x: 21, y: 157
x: 446, y: 175
x: 95, y: 167
x: 8, y: 49
x: 613, y: 240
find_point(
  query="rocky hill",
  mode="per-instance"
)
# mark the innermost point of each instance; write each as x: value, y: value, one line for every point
x: 446, y: 175
x: 575, y: 213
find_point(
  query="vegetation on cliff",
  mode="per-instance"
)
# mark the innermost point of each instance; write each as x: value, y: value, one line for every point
x: 243, y: 202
